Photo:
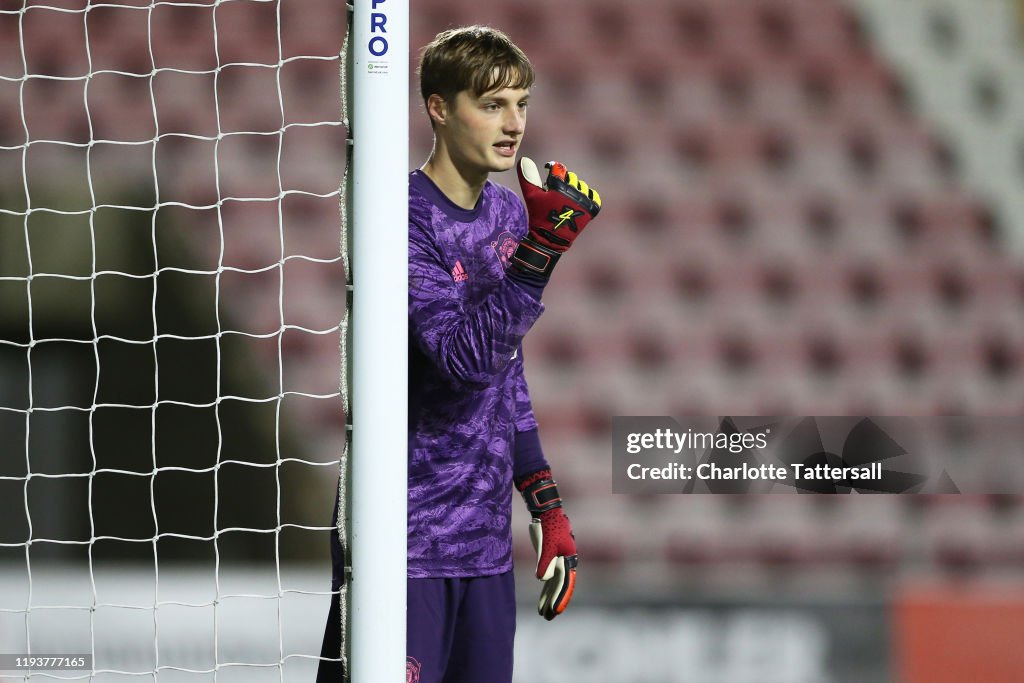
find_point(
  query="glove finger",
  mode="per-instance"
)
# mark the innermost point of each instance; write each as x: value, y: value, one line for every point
x: 550, y: 568
x: 557, y: 592
x: 551, y: 588
x: 529, y: 176
x: 580, y: 185
x: 556, y: 169
x: 569, y: 184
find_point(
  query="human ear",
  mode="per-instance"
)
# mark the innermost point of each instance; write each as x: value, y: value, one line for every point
x: 437, y: 109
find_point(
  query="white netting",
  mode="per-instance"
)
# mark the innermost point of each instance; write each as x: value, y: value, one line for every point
x: 171, y: 298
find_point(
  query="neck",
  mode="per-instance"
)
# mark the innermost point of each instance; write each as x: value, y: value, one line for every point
x: 458, y: 184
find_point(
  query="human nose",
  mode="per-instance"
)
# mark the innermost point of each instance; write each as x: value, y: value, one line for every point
x: 515, y: 122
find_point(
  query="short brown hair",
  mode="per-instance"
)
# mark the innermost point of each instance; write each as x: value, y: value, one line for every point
x: 474, y: 58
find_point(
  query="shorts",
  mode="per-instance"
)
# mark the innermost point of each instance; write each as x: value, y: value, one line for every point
x: 458, y: 630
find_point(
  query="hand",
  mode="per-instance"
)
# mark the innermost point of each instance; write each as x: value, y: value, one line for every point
x: 553, y: 541
x: 557, y: 213
x: 556, y: 561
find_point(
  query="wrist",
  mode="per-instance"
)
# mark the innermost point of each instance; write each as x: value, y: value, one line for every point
x: 528, y: 457
x: 532, y: 257
x: 532, y: 284
x: 540, y: 492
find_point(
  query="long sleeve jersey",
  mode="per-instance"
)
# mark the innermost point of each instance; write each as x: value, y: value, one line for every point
x: 467, y: 392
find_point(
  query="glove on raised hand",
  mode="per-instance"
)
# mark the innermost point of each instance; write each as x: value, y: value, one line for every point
x: 557, y: 211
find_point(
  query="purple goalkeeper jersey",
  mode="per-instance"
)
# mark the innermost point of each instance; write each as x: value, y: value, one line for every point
x: 467, y: 392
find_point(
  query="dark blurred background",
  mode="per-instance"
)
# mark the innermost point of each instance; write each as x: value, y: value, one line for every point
x: 811, y: 207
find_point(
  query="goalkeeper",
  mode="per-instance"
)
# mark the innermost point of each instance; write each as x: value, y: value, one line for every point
x: 478, y: 264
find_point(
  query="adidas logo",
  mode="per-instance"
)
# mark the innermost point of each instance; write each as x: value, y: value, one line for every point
x: 459, y: 273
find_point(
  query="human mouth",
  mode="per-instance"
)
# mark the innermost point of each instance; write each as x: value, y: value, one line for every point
x: 506, y: 148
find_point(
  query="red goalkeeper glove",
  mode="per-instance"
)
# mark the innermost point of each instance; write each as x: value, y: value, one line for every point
x: 558, y: 210
x: 553, y: 540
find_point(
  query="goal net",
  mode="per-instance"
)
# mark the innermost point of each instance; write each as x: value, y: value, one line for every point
x: 171, y: 306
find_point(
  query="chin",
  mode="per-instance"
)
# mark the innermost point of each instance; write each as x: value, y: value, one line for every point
x: 504, y: 163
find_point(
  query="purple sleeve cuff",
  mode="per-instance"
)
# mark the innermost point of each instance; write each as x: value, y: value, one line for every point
x: 531, y: 284
x: 529, y: 457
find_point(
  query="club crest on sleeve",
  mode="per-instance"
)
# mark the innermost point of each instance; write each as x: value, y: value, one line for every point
x: 412, y: 670
x: 504, y: 246
x: 459, y: 273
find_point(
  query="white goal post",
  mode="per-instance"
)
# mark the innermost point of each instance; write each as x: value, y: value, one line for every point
x: 171, y: 307
x: 380, y: 131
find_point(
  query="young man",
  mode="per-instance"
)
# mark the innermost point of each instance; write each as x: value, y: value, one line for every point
x: 478, y: 263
